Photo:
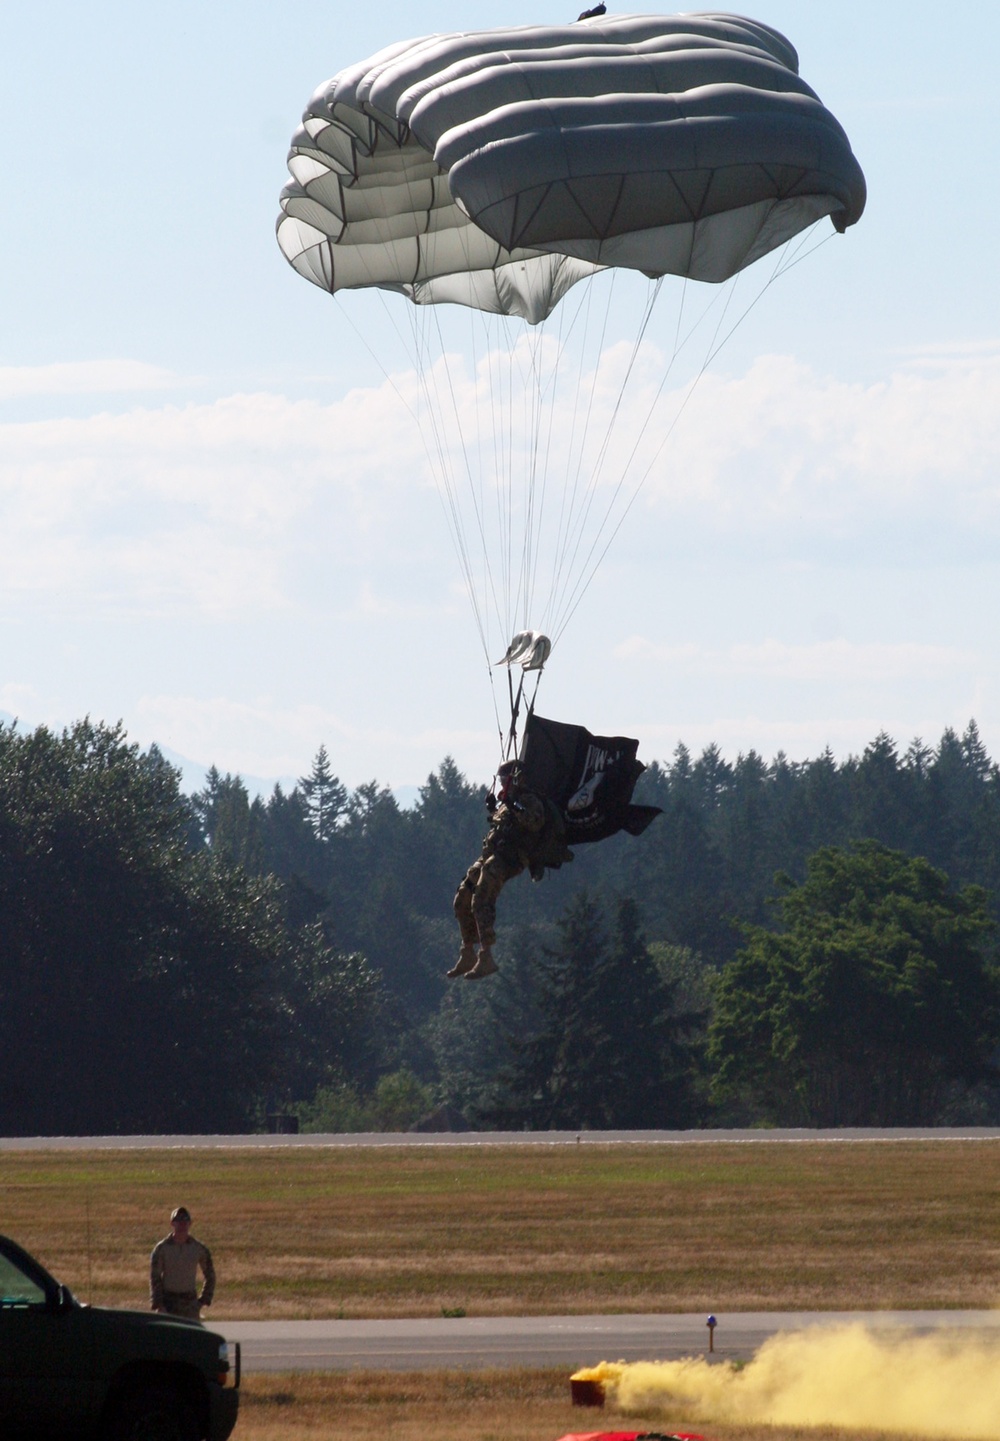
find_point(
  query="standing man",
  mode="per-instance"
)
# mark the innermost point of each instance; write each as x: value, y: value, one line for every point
x: 173, y: 1270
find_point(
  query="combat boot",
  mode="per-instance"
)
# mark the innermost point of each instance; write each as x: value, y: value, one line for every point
x: 466, y: 960
x: 485, y: 966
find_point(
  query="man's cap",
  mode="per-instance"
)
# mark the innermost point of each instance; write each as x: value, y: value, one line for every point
x: 510, y: 768
x: 180, y: 1213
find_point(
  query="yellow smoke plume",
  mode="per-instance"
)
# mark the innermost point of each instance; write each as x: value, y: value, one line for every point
x: 939, y: 1385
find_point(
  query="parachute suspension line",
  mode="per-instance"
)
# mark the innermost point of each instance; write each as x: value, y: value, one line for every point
x: 454, y: 506
x: 385, y: 374
x: 569, y: 486
x: 529, y: 418
x: 598, y: 468
x: 477, y: 467
x: 493, y: 501
x: 440, y: 458
x: 535, y: 488
x: 547, y: 392
x: 435, y: 451
x: 585, y: 576
x: 569, y: 560
x: 415, y: 346
x: 447, y: 486
x: 680, y: 317
x: 782, y: 265
x: 571, y: 490
x: 508, y: 436
x: 436, y: 455
x: 475, y: 470
x: 590, y: 566
x: 519, y: 488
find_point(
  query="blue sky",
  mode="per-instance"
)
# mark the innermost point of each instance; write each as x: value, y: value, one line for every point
x: 215, y: 522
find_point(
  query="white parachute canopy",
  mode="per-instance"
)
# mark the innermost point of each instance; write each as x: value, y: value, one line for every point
x: 496, y: 168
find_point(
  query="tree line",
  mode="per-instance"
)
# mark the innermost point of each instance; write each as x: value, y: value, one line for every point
x: 790, y: 943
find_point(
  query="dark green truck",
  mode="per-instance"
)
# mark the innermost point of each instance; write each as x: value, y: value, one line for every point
x: 73, y: 1371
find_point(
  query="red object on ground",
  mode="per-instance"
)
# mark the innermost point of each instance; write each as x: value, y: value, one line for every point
x: 631, y: 1436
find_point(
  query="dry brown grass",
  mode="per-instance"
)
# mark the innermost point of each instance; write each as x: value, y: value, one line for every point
x: 535, y: 1229
x: 453, y: 1406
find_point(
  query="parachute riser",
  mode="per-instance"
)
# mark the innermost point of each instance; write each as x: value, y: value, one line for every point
x: 530, y: 650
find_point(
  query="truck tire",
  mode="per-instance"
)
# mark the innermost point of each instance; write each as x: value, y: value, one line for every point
x: 156, y: 1413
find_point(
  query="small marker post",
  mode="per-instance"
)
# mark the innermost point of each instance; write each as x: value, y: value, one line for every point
x: 711, y: 1323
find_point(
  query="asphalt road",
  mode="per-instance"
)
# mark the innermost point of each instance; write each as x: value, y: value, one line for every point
x: 476, y: 1343
x: 492, y: 1138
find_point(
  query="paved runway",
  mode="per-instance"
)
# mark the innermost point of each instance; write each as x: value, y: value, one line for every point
x: 493, y: 1138
x: 479, y: 1342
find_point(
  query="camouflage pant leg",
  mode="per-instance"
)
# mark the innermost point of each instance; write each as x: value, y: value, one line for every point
x: 493, y: 876
x: 476, y: 901
x: 463, y: 904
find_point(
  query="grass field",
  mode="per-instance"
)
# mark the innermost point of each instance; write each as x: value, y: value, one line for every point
x: 528, y: 1230
x: 454, y: 1406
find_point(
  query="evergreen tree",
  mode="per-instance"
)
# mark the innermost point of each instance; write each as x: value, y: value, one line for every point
x: 608, y: 1053
x: 231, y: 824
x: 293, y: 852
x: 450, y: 819
x: 325, y: 797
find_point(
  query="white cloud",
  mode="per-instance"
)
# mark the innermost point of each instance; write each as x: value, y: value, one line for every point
x: 16, y: 697
x: 266, y: 737
x: 784, y: 447
x: 834, y: 661
x: 83, y: 377
x: 200, y: 508
x: 218, y: 507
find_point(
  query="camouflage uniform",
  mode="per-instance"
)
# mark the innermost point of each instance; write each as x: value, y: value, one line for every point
x: 173, y: 1277
x: 515, y: 840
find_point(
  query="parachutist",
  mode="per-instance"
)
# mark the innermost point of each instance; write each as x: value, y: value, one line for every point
x: 526, y: 833
x: 591, y: 14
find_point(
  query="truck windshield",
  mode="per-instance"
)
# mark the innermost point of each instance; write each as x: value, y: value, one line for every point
x: 17, y: 1289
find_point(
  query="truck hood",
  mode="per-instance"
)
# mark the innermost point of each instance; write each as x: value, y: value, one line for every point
x: 152, y: 1335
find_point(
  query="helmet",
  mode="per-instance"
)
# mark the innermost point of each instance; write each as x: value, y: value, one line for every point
x: 510, y: 770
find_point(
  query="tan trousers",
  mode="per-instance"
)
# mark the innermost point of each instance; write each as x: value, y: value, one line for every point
x: 476, y: 899
x: 182, y: 1303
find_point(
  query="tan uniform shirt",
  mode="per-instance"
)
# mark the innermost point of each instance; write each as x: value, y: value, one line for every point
x: 516, y: 830
x: 174, y: 1267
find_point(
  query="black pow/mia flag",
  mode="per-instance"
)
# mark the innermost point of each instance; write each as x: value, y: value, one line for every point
x: 590, y: 779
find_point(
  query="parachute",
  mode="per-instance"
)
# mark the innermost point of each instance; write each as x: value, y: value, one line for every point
x: 498, y: 170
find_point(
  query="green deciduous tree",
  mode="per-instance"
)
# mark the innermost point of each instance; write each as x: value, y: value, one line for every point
x: 873, y: 997
x: 147, y: 984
